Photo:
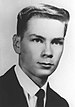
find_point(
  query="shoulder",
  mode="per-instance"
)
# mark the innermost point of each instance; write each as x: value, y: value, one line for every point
x: 5, y: 78
x: 6, y: 84
x: 56, y: 99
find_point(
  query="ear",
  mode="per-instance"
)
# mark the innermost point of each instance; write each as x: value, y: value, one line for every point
x: 16, y: 43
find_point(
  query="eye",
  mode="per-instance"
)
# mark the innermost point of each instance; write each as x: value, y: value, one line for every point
x: 57, y: 42
x: 37, y: 40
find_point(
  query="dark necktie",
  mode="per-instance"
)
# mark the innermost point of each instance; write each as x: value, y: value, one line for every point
x: 40, y: 98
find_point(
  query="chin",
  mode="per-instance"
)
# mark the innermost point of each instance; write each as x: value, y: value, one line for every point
x: 45, y: 73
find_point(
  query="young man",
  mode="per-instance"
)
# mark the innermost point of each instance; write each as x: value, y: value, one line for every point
x: 39, y: 42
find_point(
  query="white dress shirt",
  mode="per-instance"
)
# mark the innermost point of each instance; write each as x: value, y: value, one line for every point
x: 29, y: 87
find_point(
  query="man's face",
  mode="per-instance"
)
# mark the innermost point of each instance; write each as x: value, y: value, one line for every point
x: 41, y: 47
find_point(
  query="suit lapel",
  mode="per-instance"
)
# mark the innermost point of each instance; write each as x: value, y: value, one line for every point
x: 54, y: 100
x: 51, y: 98
x: 48, y: 98
x: 14, y: 91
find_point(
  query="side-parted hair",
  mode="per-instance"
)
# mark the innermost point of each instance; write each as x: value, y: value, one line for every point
x: 42, y: 11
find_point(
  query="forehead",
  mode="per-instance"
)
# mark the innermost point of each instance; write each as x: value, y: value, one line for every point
x: 45, y: 27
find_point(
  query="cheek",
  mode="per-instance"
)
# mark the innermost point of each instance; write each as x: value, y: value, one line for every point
x: 25, y: 54
x: 35, y: 51
x: 58, y: 52
x: 30, y: 54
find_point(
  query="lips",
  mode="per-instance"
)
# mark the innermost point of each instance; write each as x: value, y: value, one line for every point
x: 45, y: 65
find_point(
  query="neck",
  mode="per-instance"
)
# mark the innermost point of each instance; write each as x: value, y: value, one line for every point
x: 40, y: 81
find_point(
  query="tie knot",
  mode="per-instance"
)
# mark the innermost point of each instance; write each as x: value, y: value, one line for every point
x: 40, y: 94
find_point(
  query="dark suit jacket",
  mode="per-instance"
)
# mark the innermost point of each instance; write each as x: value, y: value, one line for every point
x: 12, y: 95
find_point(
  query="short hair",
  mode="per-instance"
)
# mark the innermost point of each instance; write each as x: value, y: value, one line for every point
x: 44, y: 11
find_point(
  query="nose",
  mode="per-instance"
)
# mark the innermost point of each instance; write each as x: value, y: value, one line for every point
x: 47, y: 51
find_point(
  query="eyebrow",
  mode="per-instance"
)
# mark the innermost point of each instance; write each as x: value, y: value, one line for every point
x: 38, y: 36
x: 59, y: 38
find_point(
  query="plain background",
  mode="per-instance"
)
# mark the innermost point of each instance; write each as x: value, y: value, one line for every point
x: 63, y: 79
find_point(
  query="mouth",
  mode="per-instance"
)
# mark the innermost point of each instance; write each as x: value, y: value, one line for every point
x: 45, y: 65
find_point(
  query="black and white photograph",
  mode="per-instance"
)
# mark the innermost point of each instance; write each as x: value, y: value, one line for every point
x: 37, y: 55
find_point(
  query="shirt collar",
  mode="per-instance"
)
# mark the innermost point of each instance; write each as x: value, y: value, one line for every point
x: 27, y: 84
